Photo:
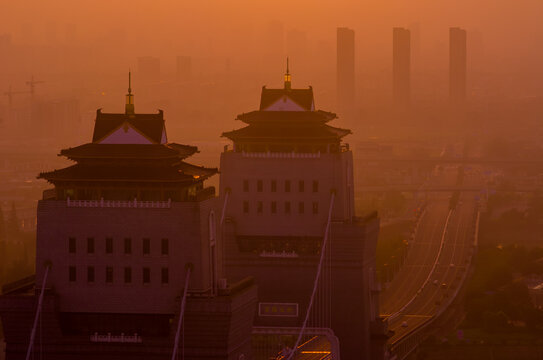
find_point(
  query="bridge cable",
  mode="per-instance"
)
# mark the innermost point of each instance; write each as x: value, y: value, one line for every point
x: 38, y: 312
x: 316, y: 282
x: 181, y: 313
x: 224, y: 207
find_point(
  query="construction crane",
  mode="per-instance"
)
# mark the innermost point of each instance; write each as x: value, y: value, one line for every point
x: 10, y: 94
x: 32, y: 83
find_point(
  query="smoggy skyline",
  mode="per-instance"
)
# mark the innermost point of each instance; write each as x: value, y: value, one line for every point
x: 509, y: 31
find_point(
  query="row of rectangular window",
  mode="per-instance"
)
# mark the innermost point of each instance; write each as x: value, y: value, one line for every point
x: 286, y: 207
x: 146, y: 275
x: 146, y: 246
x: 273, y: 186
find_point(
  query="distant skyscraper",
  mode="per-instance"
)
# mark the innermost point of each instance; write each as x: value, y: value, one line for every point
x: 401, y: 66
x: 345, y: 71
x: 149, y: 69
x: 184, y: 68
x: 457, y: 65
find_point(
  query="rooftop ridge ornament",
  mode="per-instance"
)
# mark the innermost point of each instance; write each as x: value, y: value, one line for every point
x: 287, y: 78
x: 129, y: 107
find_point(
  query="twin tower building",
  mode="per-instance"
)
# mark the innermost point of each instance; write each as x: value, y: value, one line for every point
x: 130, y: 240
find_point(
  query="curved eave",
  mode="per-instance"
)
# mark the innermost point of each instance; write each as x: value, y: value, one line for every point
x: 243, y: 134
x: 172, y: 181
x: 186, y: 174
x: 129, y: 152
x: 259, y: 116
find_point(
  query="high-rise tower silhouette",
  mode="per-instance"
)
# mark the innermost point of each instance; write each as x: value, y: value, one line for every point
x: 401, y: 66
x: 457, y: 65
x: 345, y: 72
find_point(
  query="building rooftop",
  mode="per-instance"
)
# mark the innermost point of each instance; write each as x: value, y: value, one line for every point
x: 180, y: 173
x: 286, y: 132
x: 287, y: 115
x: 150, y: 126
x: 129, y: 151
x: 255, y: 117
x: 129, y: 148
x: 302, y: 97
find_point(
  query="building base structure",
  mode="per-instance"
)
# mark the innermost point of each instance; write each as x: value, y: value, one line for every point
x: 214, y: 328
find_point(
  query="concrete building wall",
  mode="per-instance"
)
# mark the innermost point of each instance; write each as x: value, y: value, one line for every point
x: 185, y: 225
x: 331, y: 171
x: 345, y: 72
x: 401, y: 66
x: 457, y: 65
x: 348, y: 278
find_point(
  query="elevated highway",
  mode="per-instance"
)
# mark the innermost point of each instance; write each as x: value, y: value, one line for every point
x: 436, y: 266
x: 450, y: 160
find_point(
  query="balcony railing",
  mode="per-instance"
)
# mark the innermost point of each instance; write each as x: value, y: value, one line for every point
x: 119, y: 204
x: 281, y: 155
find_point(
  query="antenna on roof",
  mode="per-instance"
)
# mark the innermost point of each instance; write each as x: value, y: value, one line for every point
x: 287, y: 78
x: 129, y: 107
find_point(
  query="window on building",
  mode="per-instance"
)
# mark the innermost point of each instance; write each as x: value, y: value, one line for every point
x: 301, y: 186
x: 127, y: 275
x: 315, y: 186
x: 246, y: 207
x: 274, y: 207
x: 301, y: 207
x: 128, y: 246
x: 259, y: 186
x: 245, y: 185
x: 164, y: 247
x: 315, y: 207
x: 72, y: 274
x: 165, y: 276
x: 287, y: 185
x: 287, y: 207
x: 71, y: 245
x: 146, y: 275
x: 90, y: 274
x: 259, y: 207
x: 109, y: 274
x: 109, y: 245
x: 273, y: 186
x: 146, y: 246
x: 90, y: 245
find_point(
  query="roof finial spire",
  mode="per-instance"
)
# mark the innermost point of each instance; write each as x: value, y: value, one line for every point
x: 129, y: 107
x: 287, y: 78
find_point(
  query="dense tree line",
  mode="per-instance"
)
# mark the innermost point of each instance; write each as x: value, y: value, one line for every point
x: 17, y: 248
x: 497, y: 297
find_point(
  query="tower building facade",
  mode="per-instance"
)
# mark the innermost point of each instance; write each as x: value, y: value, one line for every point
x: 401, y: 66
x: 345, y: 72
x: 457, y: 65
x: 124, y: 232
x: 287, y: 179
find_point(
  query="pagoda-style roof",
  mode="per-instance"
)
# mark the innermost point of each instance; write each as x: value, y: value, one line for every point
x: 129, y: 151
x: 255, y: 117
x: 287, y: 115
x: 302, y: 97
x: 180, y: 173
x: 287, y: 132
x: 151, y: 126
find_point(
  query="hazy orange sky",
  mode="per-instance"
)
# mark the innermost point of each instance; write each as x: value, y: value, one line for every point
x: 504, y: 41
x: 511, y: 29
